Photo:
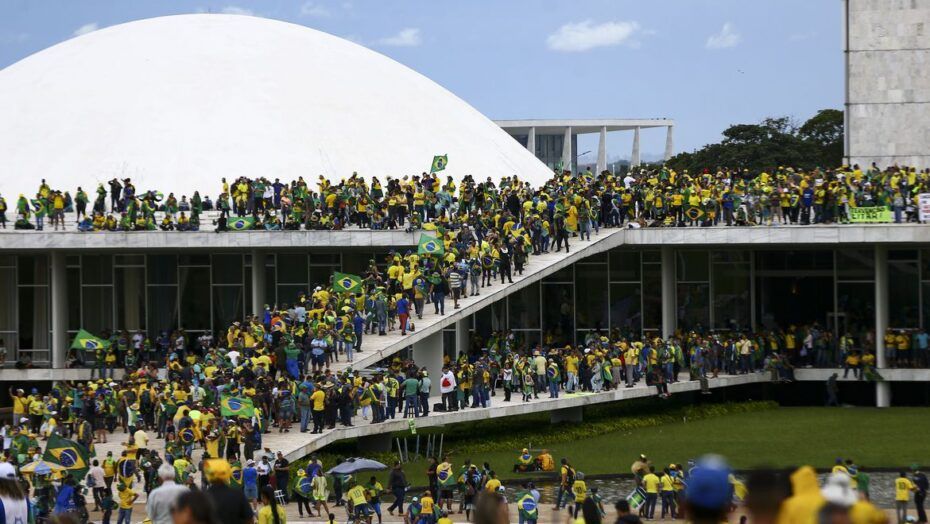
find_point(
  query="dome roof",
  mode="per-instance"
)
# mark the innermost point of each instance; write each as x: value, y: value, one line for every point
x: 177, y: 102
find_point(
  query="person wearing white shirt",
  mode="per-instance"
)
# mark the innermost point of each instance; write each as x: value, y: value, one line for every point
x: 447, y: 385
x: 163, y: 498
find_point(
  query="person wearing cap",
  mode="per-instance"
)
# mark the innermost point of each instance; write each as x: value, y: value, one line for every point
x: 709, y: 493
x: 250, y: 483
x: 230, y: 503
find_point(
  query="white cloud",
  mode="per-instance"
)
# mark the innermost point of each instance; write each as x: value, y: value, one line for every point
x: 409, y: 37
x: 314, y: 9
x: 236, y: 10
x: 583, y: 36
x: 86, y: 28
x: 727, y: 37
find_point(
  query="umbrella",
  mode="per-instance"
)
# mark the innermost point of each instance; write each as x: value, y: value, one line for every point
x: 357, y: 465
x: 41, y: 467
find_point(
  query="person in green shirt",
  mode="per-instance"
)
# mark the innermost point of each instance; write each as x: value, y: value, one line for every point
x: 411, y: 388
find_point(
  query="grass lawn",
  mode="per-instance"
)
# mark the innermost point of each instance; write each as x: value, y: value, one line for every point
x: 780, y: 437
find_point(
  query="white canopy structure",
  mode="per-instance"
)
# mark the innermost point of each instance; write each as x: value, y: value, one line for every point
x: 175, y: 103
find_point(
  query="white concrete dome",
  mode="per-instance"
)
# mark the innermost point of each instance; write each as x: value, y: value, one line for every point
x: 178, y: 102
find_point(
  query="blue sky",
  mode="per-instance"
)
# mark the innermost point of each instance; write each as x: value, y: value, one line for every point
x: 705, y: 63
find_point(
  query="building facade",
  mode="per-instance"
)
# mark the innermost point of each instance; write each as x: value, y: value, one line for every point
x: 887, y: 48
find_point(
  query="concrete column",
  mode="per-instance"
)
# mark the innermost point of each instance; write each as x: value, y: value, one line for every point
x: 669, y: 316
x: 462, y: 336
x: 602, y: 151
x: 531, y: 141
x: 567, y: 149
x: 258, y: 282
x: 428, y: 353
x: 634, y: 159
x: 669, y: 143
x: 882, y: 388
x: 59, y: 345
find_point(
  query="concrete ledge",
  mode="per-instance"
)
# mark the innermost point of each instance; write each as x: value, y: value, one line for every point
x: 889, y: 374
x: 500, y: 409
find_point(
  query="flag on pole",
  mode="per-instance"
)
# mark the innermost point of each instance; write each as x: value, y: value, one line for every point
x: 84, y: 340
x: 242, y: 224
x: 68, y: 454
x: 346, y: 283
x: 236, y: 407
x: 439, y: 163
x: 430, y: 246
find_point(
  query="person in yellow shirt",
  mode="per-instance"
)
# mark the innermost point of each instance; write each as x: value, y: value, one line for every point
x: 427, y: 506
x: 127, y: 497
x: 493, y: 483
x: 902, y: 493
x: 271, y: 512
x: 667, y: 485
x: 358, y: 498
x: 651, y: 484
x: 580, y: 492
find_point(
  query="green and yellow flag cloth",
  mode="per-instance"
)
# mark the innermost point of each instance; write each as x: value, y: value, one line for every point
x: 430, y: 246
x: 439, y: 163
x: 69, y: 454
x: 84, y: 340
x: 236, y: 407
x: 241, y: 223
x: 346, y: 283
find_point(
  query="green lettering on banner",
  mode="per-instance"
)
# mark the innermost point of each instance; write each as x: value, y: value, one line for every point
x: 865, y: 215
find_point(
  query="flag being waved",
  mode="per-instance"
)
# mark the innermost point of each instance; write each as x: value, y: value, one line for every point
x: 84, y: 340
x: 346, y: 283
x: 430, y: 246
x: 236, y: 407
x: 439, y: 163
x: 67, y: 453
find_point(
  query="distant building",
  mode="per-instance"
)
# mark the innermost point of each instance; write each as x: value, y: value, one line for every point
x: 555, y: 142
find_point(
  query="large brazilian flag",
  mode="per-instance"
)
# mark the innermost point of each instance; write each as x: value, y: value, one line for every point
x: 241, y: 223
x: 69, y: 454
x: 236, y: 407
x: 346, y: 283
x: 430, y: 246
x: 84, y: 340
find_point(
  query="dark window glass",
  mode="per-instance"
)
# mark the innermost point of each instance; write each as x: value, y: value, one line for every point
x: 624, y: 266
x: 130, y: 298
x: 227, y: 269
x: 693, y: 306
x: 692, y: 266
x: 558, y: 316
x: 855, y: 264
x: 903, y: 294
x: 162, y: 269
x: 292, y: 268
x: 856, y: 307
x: 162, y: 309
x: 7, y: 304
x: 626, y: 308
x: 194, y: 260
x: 34, y: 318
x: 33, y: 269
x: 74, y: 298
x: 227, y: 306
x: 732, y: 308
x: 652, y: 296
x: 562, y: 275
x: 524, y: 308
x: 97, y: 309
x: 591, y: 294
x: 97, y: 269
x: 195, y: 298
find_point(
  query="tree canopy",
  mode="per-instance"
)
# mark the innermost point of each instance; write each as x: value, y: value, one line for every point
x: 771, y: 143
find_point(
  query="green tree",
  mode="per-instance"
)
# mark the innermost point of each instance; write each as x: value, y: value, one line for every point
x: 771, y: 143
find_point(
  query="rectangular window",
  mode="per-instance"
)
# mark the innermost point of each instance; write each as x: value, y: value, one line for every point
x: 626, y: 308
x: 96, y: 269
x: 652, y: 296
x: 292, y: 268
x: 855, y: 264
x: 903, y: 294
x: 692, y: 266
x: 731, y: 296
x: 130, y: 298
x: 73, y: 274
x: 558, y: 315
x: 227, y: 269
x: 195, y: 298
x: 227, y: 306
x: 624, y: 266
x: 162, y: 309
x: 97, y: 309
x: 162, y: 269
x: 591, y: 296
x: 34, y: 318
x: 33, y: 269
x: 693, y: 306
x: 524, y: 308
x: 7, y: 304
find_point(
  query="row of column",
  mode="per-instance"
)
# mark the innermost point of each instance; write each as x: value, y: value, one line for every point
x: 568, y: 158
x: 429, y: 351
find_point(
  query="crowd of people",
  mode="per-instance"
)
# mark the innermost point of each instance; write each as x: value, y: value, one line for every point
x: 645, y: 196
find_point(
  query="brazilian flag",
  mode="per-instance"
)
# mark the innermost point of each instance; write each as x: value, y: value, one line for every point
x: 186, y: 436
x: 235, y: 477
x: 84, y: 340
x: 304, y: 486
x: 430, y: 246
x: 69, y: 454
x: 439, y: 163
x: 346, y: 283
x: 236, y: 407
x: 444, y: 474
x: 694, y: 213
x: 241, y: 224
